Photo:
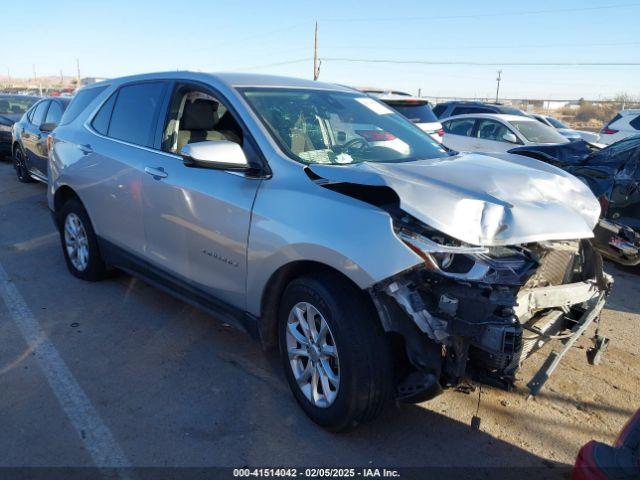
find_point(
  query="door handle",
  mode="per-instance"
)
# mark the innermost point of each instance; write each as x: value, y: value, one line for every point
x: 85, y: 149
x: 156, y: 173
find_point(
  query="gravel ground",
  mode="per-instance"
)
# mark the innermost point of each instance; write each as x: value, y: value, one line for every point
x: 175, y: 387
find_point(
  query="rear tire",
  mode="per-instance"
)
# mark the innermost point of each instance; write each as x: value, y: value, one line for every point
x: 362, y: 361
x: 79, y: 243
x: 20, y: 165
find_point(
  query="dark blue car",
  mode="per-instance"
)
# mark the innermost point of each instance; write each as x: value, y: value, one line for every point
x: 29, y: 144
x: 12, y: 107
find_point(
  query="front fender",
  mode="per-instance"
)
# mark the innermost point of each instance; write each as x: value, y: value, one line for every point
x: 302, y: 221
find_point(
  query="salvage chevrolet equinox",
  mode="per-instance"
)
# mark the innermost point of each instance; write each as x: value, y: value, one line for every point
x: 323, y: 222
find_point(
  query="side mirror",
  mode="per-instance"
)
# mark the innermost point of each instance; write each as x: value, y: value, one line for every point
x: 47, y: 127
x: 510, y: 137
x: 216, y: 154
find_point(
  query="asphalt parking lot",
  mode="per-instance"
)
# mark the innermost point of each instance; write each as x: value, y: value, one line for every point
x: 143, y: 379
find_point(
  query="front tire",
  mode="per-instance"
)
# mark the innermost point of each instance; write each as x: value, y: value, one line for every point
x: 79, y: 243
x: 336, y: 357
x: 20, y: 165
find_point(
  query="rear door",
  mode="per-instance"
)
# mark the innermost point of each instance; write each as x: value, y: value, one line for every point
x: 124, y: 129
x: 33, y: 141
x: 458, y: 134
x: 197, y: 220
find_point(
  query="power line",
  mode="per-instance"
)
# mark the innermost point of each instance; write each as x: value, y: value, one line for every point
x: 431, y: 48
x: 484, y: 15
x: 476, y: 63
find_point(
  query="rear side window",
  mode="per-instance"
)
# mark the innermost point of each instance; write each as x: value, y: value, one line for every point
x: 635, y: 123
x: 135, y: 113
x: 462, y: 127
x: 37, y: 117
x: 81, y: 100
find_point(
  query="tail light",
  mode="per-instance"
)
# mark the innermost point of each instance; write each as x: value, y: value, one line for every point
x: 376, y: 135
x: 440, y: 132
x: 608, y: 131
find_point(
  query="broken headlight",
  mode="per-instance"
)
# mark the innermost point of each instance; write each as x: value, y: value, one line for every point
x: 454, y: 259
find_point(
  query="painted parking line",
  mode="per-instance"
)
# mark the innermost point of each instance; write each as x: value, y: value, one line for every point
x: 93, y: 433
x: 33, y: 243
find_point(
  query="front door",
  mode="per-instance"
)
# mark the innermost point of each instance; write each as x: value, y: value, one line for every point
x: 197, y: 220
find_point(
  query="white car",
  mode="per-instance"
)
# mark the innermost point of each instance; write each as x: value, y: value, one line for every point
x: 565, y: 131
x: 496, y: 133
x: 415, y: 109
x: 623, y: 125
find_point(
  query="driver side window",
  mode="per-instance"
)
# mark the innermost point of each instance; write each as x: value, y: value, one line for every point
x: 492, y: 130
x: 197, y: 116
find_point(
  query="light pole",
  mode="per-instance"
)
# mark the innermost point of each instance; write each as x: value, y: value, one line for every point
x: 498, y: 88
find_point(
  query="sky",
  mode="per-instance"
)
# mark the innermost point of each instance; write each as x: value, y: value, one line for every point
x: 119, y: 37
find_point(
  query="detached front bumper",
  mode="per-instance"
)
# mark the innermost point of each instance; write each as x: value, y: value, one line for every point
x: 457, y: 327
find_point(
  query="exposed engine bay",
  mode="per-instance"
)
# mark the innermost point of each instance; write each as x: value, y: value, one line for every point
x: 480, y: 312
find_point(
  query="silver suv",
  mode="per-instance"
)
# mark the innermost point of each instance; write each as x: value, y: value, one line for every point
x: 320, y: 220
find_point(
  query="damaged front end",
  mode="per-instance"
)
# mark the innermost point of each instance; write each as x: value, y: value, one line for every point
x: 479, y: 312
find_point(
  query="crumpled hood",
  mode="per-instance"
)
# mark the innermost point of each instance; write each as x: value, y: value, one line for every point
x: 482, y: 199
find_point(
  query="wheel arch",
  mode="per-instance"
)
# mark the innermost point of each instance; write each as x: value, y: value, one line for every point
x: 62, y: 195
x: 275, y: 286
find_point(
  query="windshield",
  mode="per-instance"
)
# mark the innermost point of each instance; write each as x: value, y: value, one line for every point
x: 535, y: 132
x: 556, y: 123
x: 15, y: 104
x: 417, y: 112
x: 315, y: 126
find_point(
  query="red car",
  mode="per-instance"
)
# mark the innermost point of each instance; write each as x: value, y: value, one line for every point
x: 597, y: 461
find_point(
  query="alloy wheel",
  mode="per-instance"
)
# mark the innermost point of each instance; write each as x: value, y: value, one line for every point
x: 313, y: 355
x: 76, y: 242
x: 18, y: 163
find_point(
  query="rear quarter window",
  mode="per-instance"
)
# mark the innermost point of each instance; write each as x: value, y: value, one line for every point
x: 81, y: 100
x: 439, y: 110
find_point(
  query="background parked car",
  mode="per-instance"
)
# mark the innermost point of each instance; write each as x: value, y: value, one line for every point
x: 12, y: 107
x: 450, y: 109
x: 613, y: 175
x: 599, y: 461
x: 29, y: 138
x: 415, y: 109
x: 564, y: 130
x: 496, y: 133
x: 624, y: 124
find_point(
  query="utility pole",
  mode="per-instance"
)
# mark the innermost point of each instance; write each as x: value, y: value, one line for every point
x: 316, y: 66
x: 34, y: 72
x: 498, y: 88
x: 61, y: 79
x: 78, y: 73
x: 8, y: 77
